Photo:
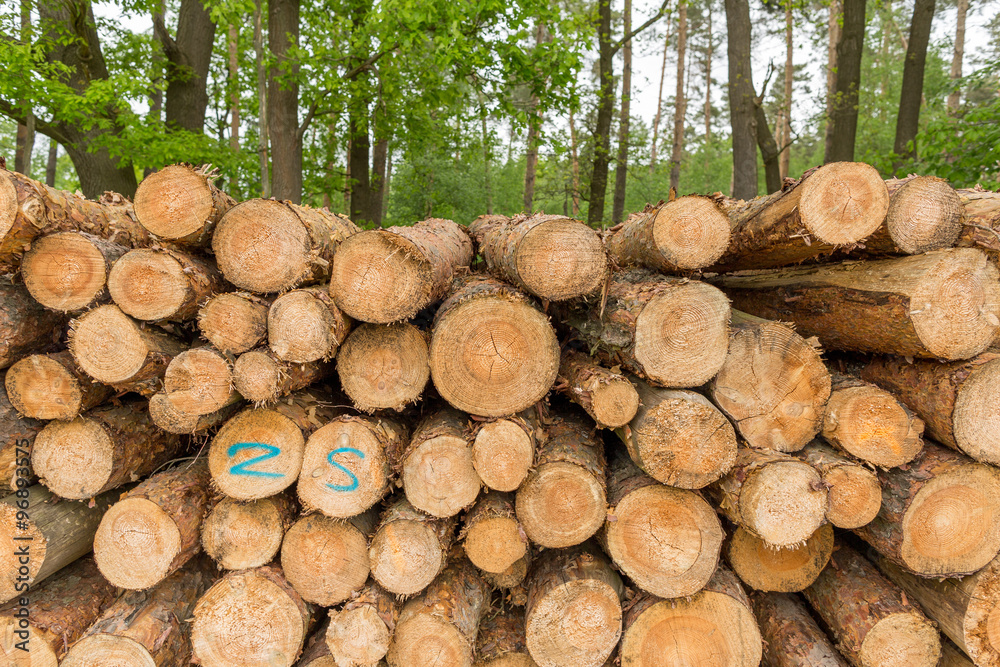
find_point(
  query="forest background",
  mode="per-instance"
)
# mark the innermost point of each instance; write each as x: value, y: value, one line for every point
x: 397, y: 110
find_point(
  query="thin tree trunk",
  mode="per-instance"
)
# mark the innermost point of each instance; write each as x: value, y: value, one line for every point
x: 708, y: 79
x: 574, y: 165
x: 844, y: 118
x: 833, y: 29
x: 358, y: 159
x: 605, y: 109
x: 785, y: 124
x: 659, y: 103
x: 258, y: 46
x: 741, y: 100
x: 379, y: 156
x: 234, y: 97
x: 348, y: 186
x: 283, y: 100
x: 487, y: 183
x: 26, y: 131
x: 955, y: 97
x: 680, y: 101
x: 910, y: 98
x: 621, y: 165
x: 50, y: 167
x: 534, y: 123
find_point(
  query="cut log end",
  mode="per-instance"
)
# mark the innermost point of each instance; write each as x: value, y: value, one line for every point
x: 426, y: 640
x: 74, y: 459
x: 383, y: 367
x: 901, y: 640
x: 574, y: 624
x: 925, y: 214
x: 64, y: 271
x: 325, y: 559
x: 357, y: 636
x: 561, y: 259
x: 39, y: 652
x: 174, y: 202
x: 855, y: 496
x: 439, y: 477
x: 495, y: 543
x: 560, y: 505
x: 198, y: 381
x: 502, y: 454
x: 691, y: 232
x: 104, y: 650
x: 869, y: 423
x: 784, y: 502
x: 780, y: 570
x: 614, y: 403
x: 341, y: 483
x: 244, y: 441
x: 136, y: 544
x: 239, y: 536
x: 405, y: 557
x: 108, y: 346
x: 42, y: 388
x: 302, y: 327
x: 233, y: 323
x: 257, y: 376
x: 8, y: 204
x: 148, y: 285
x: 172, y: 420
x: 843, y: 202
x: 976, y: 418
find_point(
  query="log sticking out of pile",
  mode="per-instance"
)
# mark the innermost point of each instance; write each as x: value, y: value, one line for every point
x: 52, y: 386
x: 181, y: 204
x: 69, y: 271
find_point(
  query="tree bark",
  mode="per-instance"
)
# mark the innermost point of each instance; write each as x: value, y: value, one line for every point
x: 955, y: 96
x: 233, y: 81
x: 911, y: 95
x: 791, y: 636
x: 621, y: 164
x: 188, y: 58
x: 786, y: 570
x: 68, y: 271
x: 384, y: 367
x: 157, y: 284
x: 607, y: 396
x: 26, y: 327
x: 574, y: 167
x: 708, y: 79
x: 239, y: 536
x: 410, y: 548
x: 181, y: 204
x: 741, y: 100
x: 52, y: 164
x: 785, y: 122
x: 262, y: 101
x: 843, y: 110
x: 769, y: 152
x: 653, y: 147
x: 283, y: 100
x: 17, y: 437
x: 501, y: 641
x: 680, y: 99
x: 854, y: 493
x: 605, y: 110
x: 234, y: 322
x: 534, y: 126
x: 833, y: 39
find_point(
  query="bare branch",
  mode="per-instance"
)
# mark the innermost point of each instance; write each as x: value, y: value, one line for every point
x: 656, y: 17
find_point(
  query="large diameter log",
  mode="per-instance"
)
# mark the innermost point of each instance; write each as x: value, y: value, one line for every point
x: 959, y: 402
x: 170, y: 419
x: 389, y: 275
x: 685, y: 234
x: 440, y: 626
x: 409, y: 548
x: 181, y: 204
x: 101, y: 450
x: 58, y: 612
x: 240, y: 536
x: 872, y: 621
x: 29, y: 209
x: 234, y: 322
x: 384, y: 367
x: 940, y: 516
x: 564, y: 499
x: 52, y: 386
x: 437, y: 472
x: 150, y: 627
x: 304, y: 325
x: 55, y: 533
x: 492, y: 352
x: 117, y: 350
x: 574, y: 614
x: 17, y: 438
x: 155, y: 529
x: 349, y: 464
x: 360, y: 631
x: 261, y: 377
x: 503, y: 451
x: 967, y: 610
x: 777, y: 497
x: 666, y: 540
x: 943, y: 304
x: 491, y: 535
x: 839, y: 204
x: 870, y: 423
x: 672, y: 332
x: 264, y: 245
x: 501, y: 641
x: 68, y: 271
x: 25, y: 326
x: 773, y: 385
x: 679, y: 438
x: 551, y: 256
x: 791, y: 636
x: 714, y: 627
x: 199, y: 381
x: 784, y: 570
x: 854, y: 493
x: 250, y: 617
x: 607, y: 396
x: 160, y: 284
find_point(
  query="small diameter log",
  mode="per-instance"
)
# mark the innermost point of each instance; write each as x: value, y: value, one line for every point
x: 501, y: 641
x: 685, y: 234
x: 574, y: 614
x: 234, y: 322
x: 776, y: 497
x: 551, y: 256
x: 503, y: 451
x: 68, y: 271
x: 409, y: 548
x: 940, y: 516
x: 840, y: 204
x: 981, y: 220
x: 52, y: 386
x: 57, y: 613
x: 349, y: 464
x: 872, y: 621
x: 853, y: 490
x: 181, y: 204
x: 511, y: 580
x: 679, y: 438
x: 564, y: 499
x: 791, y: 636
x: 150, y: 627
x: 492, y: 352
x: 967, y: 610
x: 326, y: 559
x: 256, y: 454
x: 440, y: 626
x: 607, y: 396
x: 199, y: 381
x: 25, y: 326
x: 155, y: 529
x: 359, y: 633
x: 117, y: 350
x: 17, y: 437
x: 172, y: 420
x: 943, y: 304
x: 491, y: 535
x: 384, y: 367
x: 672, y: 332
x: 925, y: 213
x: 261, y: 377
x: 250, y: 617
x: 101, y: 450
x: 265, y: 246
x: 870, y: 423
x: 714, y: 627
x: 240, y: 536
x: 304, y: 325
x: 783, y: 570
x: 666, y: 540
x: 959, y: 402
x: 389, y: 275
x: 55, y: 534
x: 773, y: 385
x: 437, y: 472
x: 29, y: 209
x: 157, y: 284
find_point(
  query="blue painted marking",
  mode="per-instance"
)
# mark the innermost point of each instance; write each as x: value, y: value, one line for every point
x: 243, y: 468
x: 354, y: 480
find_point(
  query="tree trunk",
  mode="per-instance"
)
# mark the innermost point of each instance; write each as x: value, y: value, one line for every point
x: 491, y: 535
x: 437, y: 472
x: 621, y: 164
x: 854, y: 493
x: 26, y: 327
x: 199, y: 381
x: 741, y: 100
x: 659, y: 104
x: 605, y: 109
x: 708, y: 81
x: 234, y: 322
x: 942, y: 304
x: 843, y: 110
x: 409, y: 548
x: 955, y: 96
x: 262, y: 102
x: 982, y: 219
x: 608, y: 397
x: 181, y: 205
x: 768, y: 147
x: 262, y: 378
x: 233, y: 81
x: 574, y: 167
x: 503, y: 451
x: 911, y: 95
x: 384, y: 367
x: 785, y: 124
x: 283, y: 100
x: 389, y: 275
x: 359, y: 633
x: 304, y: 325
x: 188, y: 58
x: 791, y: 636
x: 680, y: 100
x: 17, y: 436
x: 666, y: 540
x: 240, y: 536
x: 52, y: 164
x: 925, y: 213
x: 833, y: 39
x: 159, y: 285
x: 534, y: 123
x: 786, y: 570
x: 501, y: 641
x: 172, y: 420
x: 68, y: 271
x: 358, y: 154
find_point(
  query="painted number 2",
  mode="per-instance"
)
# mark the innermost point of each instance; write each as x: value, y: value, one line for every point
x: 354, y: 479
x: 243, y: 468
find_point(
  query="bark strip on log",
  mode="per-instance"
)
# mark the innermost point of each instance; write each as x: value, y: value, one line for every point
x: 853, y: 490
x: 234, y: 322
x: 982, y: 219
x: 501, y: 641
x: 491, y: 534
x: 25, y: 326
x: 68, y: 271
x: 384, y: 367
x: 784, y: 570
x: 262, y: 378
x: 436, y: 468
x: 791, y: 636
x: 52, y: 386
x: 359, y: 633
x: 409, y: 548
x: 199, y: 381
x: 172, y: 420
x: 156, y: 284
x: 304, y: 325
x: 180, y: 203
x: 240, y: 536
x: 17, y: 438
x: 317, y: 654
x: 607, y: 396
x: 503, y: 450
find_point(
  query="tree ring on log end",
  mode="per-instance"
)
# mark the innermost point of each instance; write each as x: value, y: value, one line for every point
x: 108, y: 346
x: 64, y: 271
x: 614, y: 403
x: 42, y: 388
x: 577, y: 622
x: 560, y: 505
x: 869, y: 423
x: 327, y: 475
x: 173, y: 202
x: 691, y: 232
x: 783, y: 502
x: 256, y: 376
x: 136, y: 544
x: 855, y: 496
x: 495, y: 544
x: 301, y: 328
x: 11, y: 538
x: 426, y: 641
x: 198, y: 381
x: 74, y: 459
x: 439, y: 478
x: 843, y: 202
x: 8, y: 205
x: 357, y: 636
x: 976, y: 418
x: 240, y: 535
x: 232, y: 322
x: 256, y: 454
x: 405, y: 557
x: 325, y: 559
x: 901, y: 640
x: 925, y: 214
x: 561, y: 259
x: 383, y: 367
x: 781, y: 570
x: 502, y: 454
x: 262, y: 246
x: 148, y: 285
x: 107, y: 650
x: 39, y: 651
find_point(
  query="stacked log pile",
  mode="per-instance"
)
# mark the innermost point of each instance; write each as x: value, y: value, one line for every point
x: 722, y: 433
